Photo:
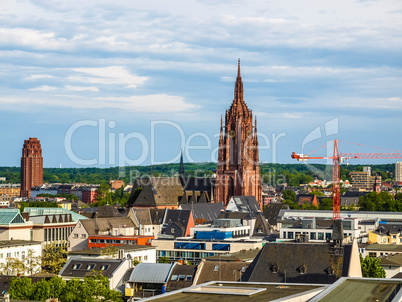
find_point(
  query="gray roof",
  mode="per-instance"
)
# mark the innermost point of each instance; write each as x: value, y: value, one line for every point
x: 8, y: 243
x: 246, y: 204
x: 94, y: 225
x: 151, y: 272
x: 10, y: 216
x: 52, y: 211
x: 84, y: 270
x: 204, y: 211
x: 323, y: 263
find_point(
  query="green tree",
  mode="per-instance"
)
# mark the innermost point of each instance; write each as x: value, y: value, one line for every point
x: 163, y: 260
x: 371, y: 267
x: 316, y: 193
x: 41, y: 290
x: 21, y: 288
x: 289, y: 195
x: 54, y: 257
x: 110, y: 252
x: 12, y: 266
x: 326, y: 204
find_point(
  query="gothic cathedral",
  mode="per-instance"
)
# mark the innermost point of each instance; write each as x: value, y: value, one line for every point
x: 238, y: 173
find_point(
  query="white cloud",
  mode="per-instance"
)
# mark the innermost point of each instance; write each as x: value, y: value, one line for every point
x: 43, y: 88
x: 80, y: 88
x: 109, y: 75
x: 141, y: 103
x: 39, y: 76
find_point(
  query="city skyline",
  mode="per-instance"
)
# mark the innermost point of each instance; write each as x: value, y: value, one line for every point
x: 129, y: 66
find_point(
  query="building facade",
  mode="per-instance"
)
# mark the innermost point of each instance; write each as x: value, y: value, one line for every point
x: 398, y: 171
x: 31, y: 166
x: 238, y: 172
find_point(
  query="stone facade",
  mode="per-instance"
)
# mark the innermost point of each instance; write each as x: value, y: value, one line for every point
x: 31, y: 166
x: 238, y: 172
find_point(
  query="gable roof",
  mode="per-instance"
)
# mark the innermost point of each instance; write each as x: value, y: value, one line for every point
x: 204, y: 212
x: 158, y: 191
x: 143, y: 216
x: 271, y: 211
x: 86, y: 267
x: 323, y: 263
x: 201, y: 184
x: 11, y: 216
x: 181, y: 218
x: 58, y: 218
x: 310, y: 199
x: 246, y: 204
x: 151, y: 272
x: 93, y: 226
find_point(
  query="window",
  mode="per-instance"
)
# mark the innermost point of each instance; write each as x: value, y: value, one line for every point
x: 290, y: 235
x: 328, y: 236
x: 216, y: 268
x: 313, y: 235
x: 189, y: 278
x: 83, y: 236
x: 90, y: 267
x: 320, y: 236
x: 23, y: 255
x: 182, y: 277
x: 104, y: 267
x: 1, y: 256
x: 174, y: 277
x: 145, y: 258
x: 172, y: 230
x: 75, y: 235
x: 76, y: 266
x: 8, y: 255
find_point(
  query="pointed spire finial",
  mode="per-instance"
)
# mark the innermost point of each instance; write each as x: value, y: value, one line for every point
x: 238, y: 68
x: 181, y: 165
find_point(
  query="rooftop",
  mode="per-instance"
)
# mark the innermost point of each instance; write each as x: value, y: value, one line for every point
x: 361, y: 289
x: 236, y: 291
x: 125, y: 247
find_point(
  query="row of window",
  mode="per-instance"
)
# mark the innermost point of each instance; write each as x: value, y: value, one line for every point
x: 183, y: 255
x: 181, y: 278
x: 312, y: 235
x: 83, y: 236
x: 55, y: 234
x: 16, y: 255
x: 92, y: 240
x: 89, y: 267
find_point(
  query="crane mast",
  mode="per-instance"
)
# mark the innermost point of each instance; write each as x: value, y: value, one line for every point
x: 337, y: 159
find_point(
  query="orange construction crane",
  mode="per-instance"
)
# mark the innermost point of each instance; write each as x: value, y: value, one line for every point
x: 337, y: 159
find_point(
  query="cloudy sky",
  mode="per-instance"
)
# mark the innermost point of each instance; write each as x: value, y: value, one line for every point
x: 105, y: 83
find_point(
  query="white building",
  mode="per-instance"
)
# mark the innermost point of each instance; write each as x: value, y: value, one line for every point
x: 19, y: 249
x: 398, y: 171
x: 141, y: 253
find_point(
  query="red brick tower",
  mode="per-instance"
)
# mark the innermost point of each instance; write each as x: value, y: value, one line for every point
x: 31, y: 166
x: 238, y: 172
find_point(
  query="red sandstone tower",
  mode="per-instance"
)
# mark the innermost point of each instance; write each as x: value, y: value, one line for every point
x: 31, y: 166
x: 238, y: 172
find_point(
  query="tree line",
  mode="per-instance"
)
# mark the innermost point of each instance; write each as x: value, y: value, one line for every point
x: 293, y: 174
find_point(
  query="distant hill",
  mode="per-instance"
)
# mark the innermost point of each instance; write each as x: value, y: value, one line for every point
x: 271, y: 173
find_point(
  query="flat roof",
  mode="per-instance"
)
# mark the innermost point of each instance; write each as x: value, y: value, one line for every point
x: 386, y: 247
x: 236, y: 291
x: 362, y: 290
x: 5, y: 243
x: 126, y: 247
x: 246, y: 255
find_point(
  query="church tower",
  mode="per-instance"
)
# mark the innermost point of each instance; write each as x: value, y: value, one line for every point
x: 238, y: 172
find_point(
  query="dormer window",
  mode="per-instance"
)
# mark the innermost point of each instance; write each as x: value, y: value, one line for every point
x: 104, y: 267
x: 302, y: 269
x: 330, y: 271
x: 275, y: 268
x: 216, y: 268
x: 76, y: 266
x: 90, y: 267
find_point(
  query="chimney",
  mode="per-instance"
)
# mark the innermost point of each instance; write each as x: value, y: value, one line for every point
x: 337, y: 232
x: 121, y: 254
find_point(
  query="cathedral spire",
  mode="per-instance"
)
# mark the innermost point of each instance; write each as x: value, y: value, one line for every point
x: 238, y: 86
x: 181, y: 166
x: 221, y: 136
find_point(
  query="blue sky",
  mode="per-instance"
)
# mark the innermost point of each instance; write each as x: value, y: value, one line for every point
x: 113, y: 71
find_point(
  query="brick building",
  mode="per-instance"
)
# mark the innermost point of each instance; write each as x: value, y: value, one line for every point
x: 31, y: 166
